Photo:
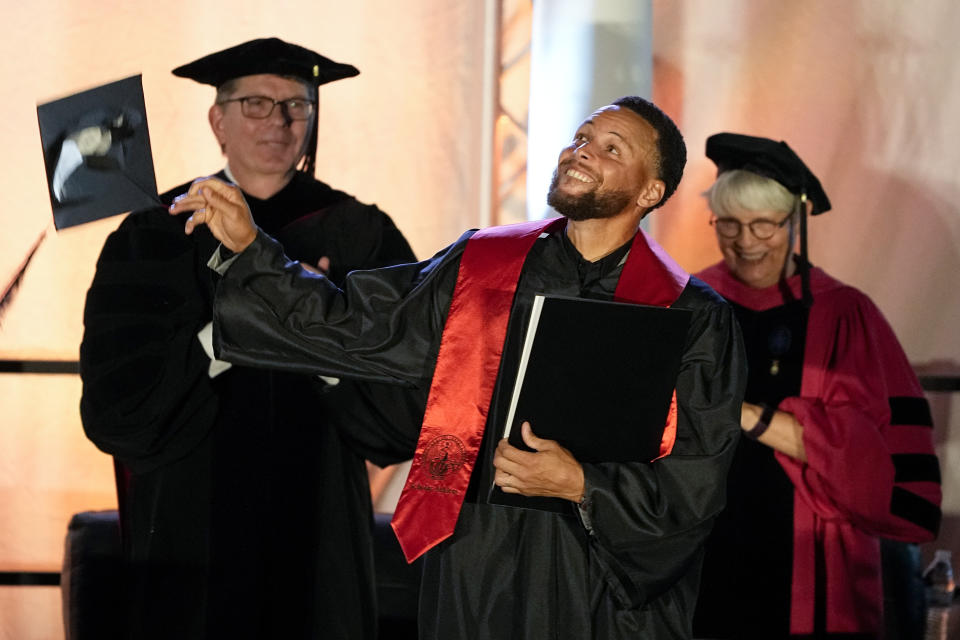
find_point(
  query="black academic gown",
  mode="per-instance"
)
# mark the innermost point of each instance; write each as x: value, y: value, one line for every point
x: 625, y: 567
x: 245, y: 515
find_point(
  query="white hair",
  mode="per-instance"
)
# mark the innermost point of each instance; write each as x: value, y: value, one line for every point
x: 738, y: 189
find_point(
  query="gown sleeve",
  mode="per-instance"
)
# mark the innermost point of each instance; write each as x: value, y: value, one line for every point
x: 147, y: 398
x: 867, y: 426
x: 383, y: 326
x: 648, y: 521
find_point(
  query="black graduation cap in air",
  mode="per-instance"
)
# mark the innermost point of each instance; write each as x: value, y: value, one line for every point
x: 96, y: 148
x: 269, y: 55
x: 777, y: 161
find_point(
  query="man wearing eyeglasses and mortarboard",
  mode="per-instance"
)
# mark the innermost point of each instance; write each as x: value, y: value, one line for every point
x: 244, y: 513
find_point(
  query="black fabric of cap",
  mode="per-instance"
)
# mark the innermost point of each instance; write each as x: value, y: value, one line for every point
x: 774, y: 160
x: 265, y: 55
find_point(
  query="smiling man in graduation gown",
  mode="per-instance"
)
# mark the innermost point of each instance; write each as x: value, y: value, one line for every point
x: 622, y: 560
x: 244, y: 514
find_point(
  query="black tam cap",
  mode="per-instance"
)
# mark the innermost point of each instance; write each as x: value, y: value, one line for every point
x: 774, y: 160
x: 265, y: 55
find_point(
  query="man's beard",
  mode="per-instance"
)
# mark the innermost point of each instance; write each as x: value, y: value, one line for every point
x: 588, y: 206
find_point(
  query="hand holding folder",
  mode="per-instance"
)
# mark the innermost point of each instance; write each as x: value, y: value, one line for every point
x: 598, y: 378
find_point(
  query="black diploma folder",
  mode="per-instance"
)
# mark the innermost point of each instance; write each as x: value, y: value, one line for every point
x: 597, y: 377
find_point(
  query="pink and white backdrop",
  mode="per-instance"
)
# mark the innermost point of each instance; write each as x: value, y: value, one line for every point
x: 434, y: 131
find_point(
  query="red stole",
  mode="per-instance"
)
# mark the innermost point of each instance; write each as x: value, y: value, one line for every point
x: 468, y: 361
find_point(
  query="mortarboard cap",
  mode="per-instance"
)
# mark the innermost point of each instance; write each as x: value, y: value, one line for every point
x: 774, y: 160
x: 96, y: 148
x: 265, y: 55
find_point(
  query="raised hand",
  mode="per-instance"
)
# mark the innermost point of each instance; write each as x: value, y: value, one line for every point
x: 222, y: 208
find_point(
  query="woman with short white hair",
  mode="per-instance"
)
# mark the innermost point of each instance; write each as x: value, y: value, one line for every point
x: 838, y: 447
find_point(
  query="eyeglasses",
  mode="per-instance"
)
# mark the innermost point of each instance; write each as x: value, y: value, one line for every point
x: 260, y: 107
x: 761, y: 228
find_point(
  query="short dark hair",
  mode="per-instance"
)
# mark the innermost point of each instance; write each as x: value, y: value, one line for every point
x: 671, y: 149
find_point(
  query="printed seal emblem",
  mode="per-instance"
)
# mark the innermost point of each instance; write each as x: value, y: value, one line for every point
x: 443, y: 456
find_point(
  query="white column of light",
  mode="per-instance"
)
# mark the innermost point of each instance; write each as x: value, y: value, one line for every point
x: 584, y: 54
x: 491, y: 76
